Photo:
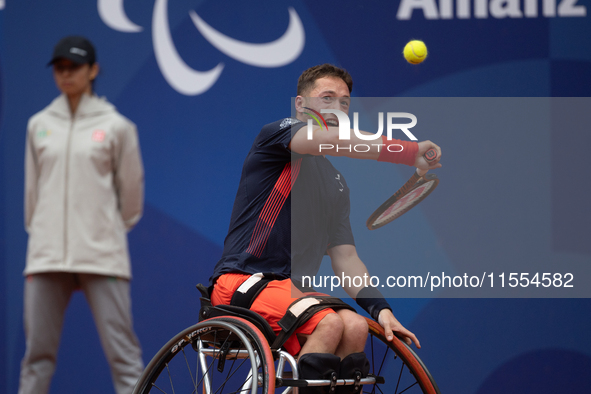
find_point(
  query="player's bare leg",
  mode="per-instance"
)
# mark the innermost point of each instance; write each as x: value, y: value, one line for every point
x: 326, y: 336
x: 354, y: 333
x: 317, y: 359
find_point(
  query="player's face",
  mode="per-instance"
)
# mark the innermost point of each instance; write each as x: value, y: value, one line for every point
x: 72, y: 78
x: 328, y: 93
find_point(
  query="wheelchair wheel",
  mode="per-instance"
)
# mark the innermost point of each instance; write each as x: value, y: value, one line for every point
x: 223, y: 355
x: 402, y: 369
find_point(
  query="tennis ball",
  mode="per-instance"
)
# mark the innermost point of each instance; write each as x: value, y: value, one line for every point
x: 415, y: 52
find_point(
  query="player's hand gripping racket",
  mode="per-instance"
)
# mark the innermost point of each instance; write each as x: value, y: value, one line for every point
x: 415, y: 190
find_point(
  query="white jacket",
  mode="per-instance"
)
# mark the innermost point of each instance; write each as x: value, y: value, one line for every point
x: 84, y: 187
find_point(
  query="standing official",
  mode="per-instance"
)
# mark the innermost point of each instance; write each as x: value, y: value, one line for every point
x: 84, y: 186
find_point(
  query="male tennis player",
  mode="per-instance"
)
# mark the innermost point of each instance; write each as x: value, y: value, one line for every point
x: 262, y: 238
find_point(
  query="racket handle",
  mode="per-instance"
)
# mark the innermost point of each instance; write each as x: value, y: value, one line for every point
x: 430, y: 155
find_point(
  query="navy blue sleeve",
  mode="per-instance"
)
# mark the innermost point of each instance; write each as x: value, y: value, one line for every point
x: 275, y: 137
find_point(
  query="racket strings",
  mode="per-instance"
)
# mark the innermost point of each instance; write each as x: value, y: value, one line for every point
x: 405, y: 203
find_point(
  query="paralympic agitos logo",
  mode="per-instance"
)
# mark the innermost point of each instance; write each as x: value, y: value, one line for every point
x: 345, y: 129
x: 183, y: 78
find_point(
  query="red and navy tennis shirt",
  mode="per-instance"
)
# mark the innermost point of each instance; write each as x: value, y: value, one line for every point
x: 289, y: 208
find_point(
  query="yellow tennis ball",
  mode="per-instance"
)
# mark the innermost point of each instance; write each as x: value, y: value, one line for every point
x: 415, y: 52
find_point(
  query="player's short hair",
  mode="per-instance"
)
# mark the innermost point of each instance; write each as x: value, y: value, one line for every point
x: 308, y: 78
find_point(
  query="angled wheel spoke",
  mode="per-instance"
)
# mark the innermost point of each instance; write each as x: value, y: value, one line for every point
x: 383, y: 361
x: 156, y: 387
x: 408, y: 388
x: 399, y: 376
x: 189, y: 368
x: 170, y: 378
x: 230, y: 376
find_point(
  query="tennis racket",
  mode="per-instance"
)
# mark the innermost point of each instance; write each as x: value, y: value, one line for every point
x: 415, y: 190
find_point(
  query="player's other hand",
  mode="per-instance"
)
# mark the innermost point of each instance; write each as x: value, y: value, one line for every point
x: 421, y: 163
x: 392, y: 326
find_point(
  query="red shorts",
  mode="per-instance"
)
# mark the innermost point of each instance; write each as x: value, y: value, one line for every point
x: 271, y: 304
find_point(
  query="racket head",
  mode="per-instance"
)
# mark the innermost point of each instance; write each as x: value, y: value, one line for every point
x: 400, y: 203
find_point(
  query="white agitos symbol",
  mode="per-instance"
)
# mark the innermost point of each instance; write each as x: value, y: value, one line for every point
x: 113, y: 14
x: 273, y: 54
x: 183, y: 78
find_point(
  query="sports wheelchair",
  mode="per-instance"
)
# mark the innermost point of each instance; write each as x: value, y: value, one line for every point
x: 234, y: 350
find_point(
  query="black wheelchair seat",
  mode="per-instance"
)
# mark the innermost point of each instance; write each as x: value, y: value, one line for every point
x: 208, y: 311
x: 237, y: 311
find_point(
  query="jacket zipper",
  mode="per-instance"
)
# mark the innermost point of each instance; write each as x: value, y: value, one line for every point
x: 66, y: 185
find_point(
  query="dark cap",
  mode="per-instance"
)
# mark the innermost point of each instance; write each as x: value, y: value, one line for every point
x: 75, y: 48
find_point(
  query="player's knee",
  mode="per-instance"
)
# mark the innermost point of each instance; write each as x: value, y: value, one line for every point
x: 356, y: 327
x: 358, y: 324
x: 332, y: 323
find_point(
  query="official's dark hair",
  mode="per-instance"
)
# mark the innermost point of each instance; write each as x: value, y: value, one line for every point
x: 308, y: 78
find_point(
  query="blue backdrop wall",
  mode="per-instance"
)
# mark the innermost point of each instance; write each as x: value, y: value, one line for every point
x: 156, y: 58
